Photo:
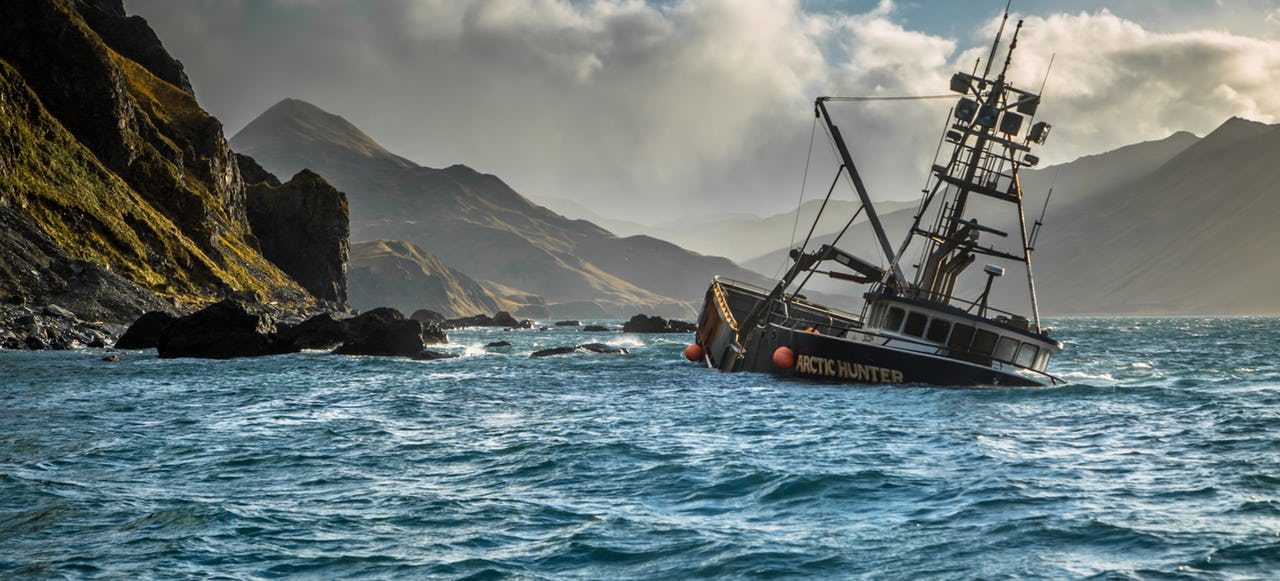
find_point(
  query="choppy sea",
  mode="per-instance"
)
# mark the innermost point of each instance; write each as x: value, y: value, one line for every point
x: 1160, y: 459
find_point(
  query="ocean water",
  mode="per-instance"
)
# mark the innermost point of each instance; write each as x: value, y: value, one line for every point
x: 1160, y: 459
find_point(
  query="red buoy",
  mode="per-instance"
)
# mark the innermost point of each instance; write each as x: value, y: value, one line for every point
x: 693, y: 352
x: 784, y: 357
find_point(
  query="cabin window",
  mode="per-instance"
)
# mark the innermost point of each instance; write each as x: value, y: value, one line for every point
x: 915, y: 324
x: 1026, y: 355
x: 984, y: 342
x: 894, y: 320
x: 1042, y: 362
x: 961, y: 337
x: 938, y: 329
x: 1005, y: 349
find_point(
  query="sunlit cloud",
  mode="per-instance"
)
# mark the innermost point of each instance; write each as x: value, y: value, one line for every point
x: 643, y: 110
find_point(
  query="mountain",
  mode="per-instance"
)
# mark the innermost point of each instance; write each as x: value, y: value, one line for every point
x: 398, y: 274
x: 737, y: 236
x: 478, y: 224
x: 1195, y: 236
x: 1178, y: 226
x: 118, y: 189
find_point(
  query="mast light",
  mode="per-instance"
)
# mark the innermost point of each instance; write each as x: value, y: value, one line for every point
x: 1039, y: 132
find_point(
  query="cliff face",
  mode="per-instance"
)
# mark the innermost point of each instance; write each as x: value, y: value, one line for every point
x: 116, y: 164
x: 302, y: 227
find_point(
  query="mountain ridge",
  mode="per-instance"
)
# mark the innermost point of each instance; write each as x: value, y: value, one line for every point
x: 477, y: 223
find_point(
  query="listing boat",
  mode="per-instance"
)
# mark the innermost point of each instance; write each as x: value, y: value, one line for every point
x: 922, y: 329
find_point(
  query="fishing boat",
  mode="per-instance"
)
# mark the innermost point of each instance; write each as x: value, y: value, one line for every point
x: 917, y: 325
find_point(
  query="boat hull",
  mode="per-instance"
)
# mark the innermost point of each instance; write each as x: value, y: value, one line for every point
x: 827, y: 347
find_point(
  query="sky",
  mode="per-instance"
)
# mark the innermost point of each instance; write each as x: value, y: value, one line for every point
x: 652, y: 110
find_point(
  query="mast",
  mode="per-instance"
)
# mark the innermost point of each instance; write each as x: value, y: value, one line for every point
x: 988, y: 147
x: 847, y: 162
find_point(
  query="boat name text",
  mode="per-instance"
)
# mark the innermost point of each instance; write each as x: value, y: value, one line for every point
x: 823, y: 367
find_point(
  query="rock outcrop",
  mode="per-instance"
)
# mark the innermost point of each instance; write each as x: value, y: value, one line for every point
x: 302, y: 228
x: 224, y: 330
x: 385, y: 331
x: 145, y: 332
x: 653, y: 324
x: 499, y: 319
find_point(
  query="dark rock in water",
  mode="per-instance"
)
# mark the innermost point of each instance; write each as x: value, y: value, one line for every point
x: 592, y: 347
x: 385, y: 331
x: 397, y: 338
x: 302, y: 227
x: 144, y: 333
x: 568, y: 323
x: 323, y: 331
x: 595, y: 329
x: 501, y: 319
x: 602, y: 348
x: 428, y: 355
x: 499, y: 344
x: 504, y: 319
x: 112, y: 359
x: 223, y: 330
x: 654, y: 324
x: 427, y: 316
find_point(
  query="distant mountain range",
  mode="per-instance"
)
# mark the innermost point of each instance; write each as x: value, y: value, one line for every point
x: 1194, y: 235
x: 479, y: 225
x: 1178, y: 226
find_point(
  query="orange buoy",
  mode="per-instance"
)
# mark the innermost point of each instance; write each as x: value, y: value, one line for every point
x: 693, y: 352
x: 784, y: 357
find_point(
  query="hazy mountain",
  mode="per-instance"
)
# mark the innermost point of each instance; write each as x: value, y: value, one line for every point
x: 398, y: 274
x: 1194, y: 236
x: 1176, y: 226
x: 479, y: 225
x: 740, y: 237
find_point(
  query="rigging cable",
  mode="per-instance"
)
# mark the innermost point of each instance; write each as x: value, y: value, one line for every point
x: 804, y: 181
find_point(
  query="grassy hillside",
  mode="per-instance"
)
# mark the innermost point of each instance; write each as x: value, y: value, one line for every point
x: 120, y: 167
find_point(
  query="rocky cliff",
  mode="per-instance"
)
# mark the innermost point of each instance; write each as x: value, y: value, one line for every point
x: 302, y: 227
x: 109, y: 166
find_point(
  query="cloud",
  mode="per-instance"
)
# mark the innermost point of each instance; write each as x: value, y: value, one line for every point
x: 647, y: 110
x: 1113, y: 82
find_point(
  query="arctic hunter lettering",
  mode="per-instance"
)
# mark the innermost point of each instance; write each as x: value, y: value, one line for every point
x: 824, y: 367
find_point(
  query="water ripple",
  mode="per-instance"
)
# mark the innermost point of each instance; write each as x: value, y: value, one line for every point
x: 1158, y: 460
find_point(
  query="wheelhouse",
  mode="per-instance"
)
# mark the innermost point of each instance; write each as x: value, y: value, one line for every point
x: 951, y: 332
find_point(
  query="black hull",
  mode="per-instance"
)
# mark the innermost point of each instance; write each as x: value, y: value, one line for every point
x: 821, y: 355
